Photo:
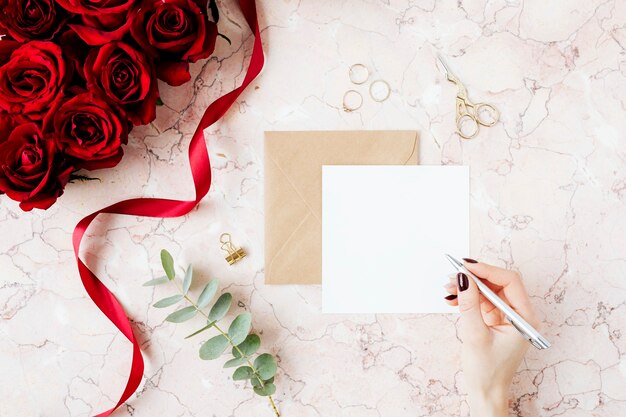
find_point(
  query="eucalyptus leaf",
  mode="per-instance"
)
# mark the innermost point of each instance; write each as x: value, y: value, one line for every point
x: 248, y: 347
x: 265, y: 366
x: 255, y: 381
x: 208, y: 326
x: 221, y: 306
x: 239, y: 328
x: 213, y: 348
x: 166, y: 302
x: 168, y: 264
x: 188, y: 279
x: 156, y: 281
x: 207, y: 293
x: 242, y: 373
x: 234, y: 362
x: 266, y: 390
x: 182, y: 315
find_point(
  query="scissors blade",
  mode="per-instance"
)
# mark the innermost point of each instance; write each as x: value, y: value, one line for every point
x: 446, y: 71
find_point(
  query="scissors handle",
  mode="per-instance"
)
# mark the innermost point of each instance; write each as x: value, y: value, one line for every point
x: 482, y: 109
x: 470, y: 116
x: 467, y: 126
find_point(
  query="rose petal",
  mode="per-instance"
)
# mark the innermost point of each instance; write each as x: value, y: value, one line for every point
x: 95, y: 37
x: 173, y: 73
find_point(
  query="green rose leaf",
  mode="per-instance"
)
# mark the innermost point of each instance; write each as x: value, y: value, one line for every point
x: 221, y: 306
x: 248, y: 347
x: 213, y: 348
x: 239, y: 328
x: 242, y: 373
x: 234, y: 362
x: 207, y: 293
x: 265, y: 391
x: 188, y: 279
x: 166, y: 302
x: 182, y: 315
x: 265, y: 366
x: 168, y: 264
x: 156, y: 281
x: 208, y: 326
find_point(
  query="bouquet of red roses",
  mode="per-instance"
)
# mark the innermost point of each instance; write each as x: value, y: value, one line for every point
x: 77, y: 75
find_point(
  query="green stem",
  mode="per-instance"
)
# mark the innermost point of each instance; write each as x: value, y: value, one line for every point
x: 230, y: 341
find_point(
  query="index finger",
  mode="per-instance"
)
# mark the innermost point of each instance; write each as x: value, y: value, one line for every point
x: 511, y: 283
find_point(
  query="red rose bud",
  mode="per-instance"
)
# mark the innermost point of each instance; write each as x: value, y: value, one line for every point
x: 175, y: 32
x: 31, y: 171
x: 101, y: 21
x: 126, y: 78
x: 25, y: 20
x: 32, y: 79
x: 90, y: 132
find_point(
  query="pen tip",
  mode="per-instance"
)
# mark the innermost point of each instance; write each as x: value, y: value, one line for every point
x: 453, y: 261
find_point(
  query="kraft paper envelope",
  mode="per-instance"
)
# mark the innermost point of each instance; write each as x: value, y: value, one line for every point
x: 293, y: 191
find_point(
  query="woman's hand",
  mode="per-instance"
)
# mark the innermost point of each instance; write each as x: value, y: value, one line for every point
x: 492, y: 347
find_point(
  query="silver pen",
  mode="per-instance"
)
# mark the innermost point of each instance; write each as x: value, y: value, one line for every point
x: 522, y: 326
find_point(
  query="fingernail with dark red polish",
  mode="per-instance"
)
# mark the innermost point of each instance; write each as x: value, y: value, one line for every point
x: 462, y: 281
x: 451, y: 297
x: 470, y: 261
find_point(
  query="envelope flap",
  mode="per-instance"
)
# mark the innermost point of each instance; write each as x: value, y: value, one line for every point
x: 300, y: 155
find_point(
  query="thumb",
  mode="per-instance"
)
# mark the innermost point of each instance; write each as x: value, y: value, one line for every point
x: 472, y: 325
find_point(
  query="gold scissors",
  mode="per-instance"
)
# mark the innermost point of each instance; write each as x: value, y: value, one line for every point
x: 468, y: 113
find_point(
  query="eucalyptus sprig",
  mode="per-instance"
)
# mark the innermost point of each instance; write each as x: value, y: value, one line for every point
x: 259, y: 370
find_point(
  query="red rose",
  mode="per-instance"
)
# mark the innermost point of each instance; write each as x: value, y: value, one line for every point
x: 102, y: 21
x: 7, y: 123
x: 175, y: 32
x: 32, y: 79
x: 7, y: 47
x: 126, y: 78
x: 25, y: 20
x: 31, y: 172
x: 90, y: 132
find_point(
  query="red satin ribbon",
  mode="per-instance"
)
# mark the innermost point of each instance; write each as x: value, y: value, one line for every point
x: 158, y: 207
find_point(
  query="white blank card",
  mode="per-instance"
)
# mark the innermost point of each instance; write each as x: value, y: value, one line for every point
x: 385, y: 230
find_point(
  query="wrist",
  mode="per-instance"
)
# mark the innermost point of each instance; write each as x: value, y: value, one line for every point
x: 491, y: 404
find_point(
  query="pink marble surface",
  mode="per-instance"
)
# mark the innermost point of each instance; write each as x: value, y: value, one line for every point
x: 548, y: 197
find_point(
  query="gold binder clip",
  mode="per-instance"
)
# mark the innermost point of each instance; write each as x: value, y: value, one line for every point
x: 234, y: 254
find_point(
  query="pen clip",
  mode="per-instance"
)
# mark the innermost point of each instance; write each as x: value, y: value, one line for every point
x: 526, y: 336
x: 522, y: 332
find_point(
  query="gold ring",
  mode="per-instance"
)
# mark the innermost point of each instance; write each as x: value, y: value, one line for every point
x: 351, y: 74
x: 379, y: 99
x: 346, y: 107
